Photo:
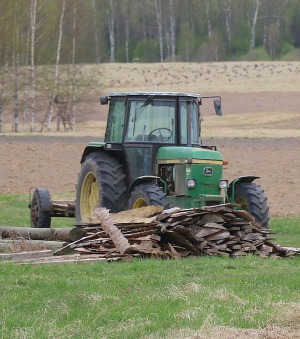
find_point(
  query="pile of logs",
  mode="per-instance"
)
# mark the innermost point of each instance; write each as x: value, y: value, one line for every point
x: 176, y: 233
x: 144, y: 232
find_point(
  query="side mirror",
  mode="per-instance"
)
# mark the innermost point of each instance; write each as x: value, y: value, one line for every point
x: 218, y: 109
x: 103, y: 100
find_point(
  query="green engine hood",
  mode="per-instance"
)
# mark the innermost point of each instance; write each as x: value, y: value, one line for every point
x: 185, y: 153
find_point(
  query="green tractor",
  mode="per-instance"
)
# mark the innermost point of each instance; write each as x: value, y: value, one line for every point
x: 152, y: 154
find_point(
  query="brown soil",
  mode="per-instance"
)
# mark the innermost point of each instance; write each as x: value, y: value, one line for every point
x: 54, y: 161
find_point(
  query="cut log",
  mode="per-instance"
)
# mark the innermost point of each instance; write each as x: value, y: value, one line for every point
x: 20, y: 245
x: 63, y: 234
x: 115, y: 234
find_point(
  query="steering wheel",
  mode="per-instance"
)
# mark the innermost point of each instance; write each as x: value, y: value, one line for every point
x: 160, y: 136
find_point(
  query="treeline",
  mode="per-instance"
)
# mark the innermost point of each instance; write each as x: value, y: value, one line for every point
x: 148, y: 30
x: 73, y: 32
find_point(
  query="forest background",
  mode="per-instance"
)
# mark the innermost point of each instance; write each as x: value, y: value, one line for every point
x: 44, y: 43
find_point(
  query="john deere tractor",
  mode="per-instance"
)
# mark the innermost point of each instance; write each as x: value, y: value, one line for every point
x: 152, y: 154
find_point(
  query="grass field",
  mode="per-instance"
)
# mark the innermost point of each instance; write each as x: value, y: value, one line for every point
x: 192, y: 298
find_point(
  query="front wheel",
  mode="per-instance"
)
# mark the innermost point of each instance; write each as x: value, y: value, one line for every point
x: 101, y: 183
x: 251, y: 198
x: 146, y: 195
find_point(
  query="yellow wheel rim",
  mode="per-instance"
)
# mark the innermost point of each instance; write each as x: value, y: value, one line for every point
x: 89, y: 196
x: 140, y: 202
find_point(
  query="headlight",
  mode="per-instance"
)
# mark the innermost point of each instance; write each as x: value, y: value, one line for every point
x: 190, y: 183
x: 223, y: 184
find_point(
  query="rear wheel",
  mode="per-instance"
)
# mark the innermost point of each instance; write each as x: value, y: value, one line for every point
x: 40, y: 216
x: 251, y: 197
x: 101, y: 182
x: 146, y: 195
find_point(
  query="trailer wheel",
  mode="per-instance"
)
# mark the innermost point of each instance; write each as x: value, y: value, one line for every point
x: 251, y: 197
x: 146, y: 195
x: 40, y: 216
x: 101, y: 182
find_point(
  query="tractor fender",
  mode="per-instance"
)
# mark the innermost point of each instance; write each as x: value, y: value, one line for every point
x: 145, y: 179
x: 246, y: 179
x: 91, y: 149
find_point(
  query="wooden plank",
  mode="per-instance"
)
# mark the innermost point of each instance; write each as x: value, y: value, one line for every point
x: 25, y: 255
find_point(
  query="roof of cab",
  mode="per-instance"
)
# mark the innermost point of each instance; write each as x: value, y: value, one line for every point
x: 170, y: 94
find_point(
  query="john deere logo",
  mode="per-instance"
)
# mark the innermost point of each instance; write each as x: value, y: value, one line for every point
x: 208, y: 171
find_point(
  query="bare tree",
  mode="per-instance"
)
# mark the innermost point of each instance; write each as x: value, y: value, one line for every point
x: 33, y: 9
x: 73, y: 119
x: 172, y: 29
x: 111, y: 18
x: 208, y: 18
x: 127, y: 30
x: 159, y: 18
x: 253, y: 26
x: 228, y: 15
x: 56, y: 75
x: 95, y: 31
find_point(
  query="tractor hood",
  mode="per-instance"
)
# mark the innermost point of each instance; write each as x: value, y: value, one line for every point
x: 187, y: 154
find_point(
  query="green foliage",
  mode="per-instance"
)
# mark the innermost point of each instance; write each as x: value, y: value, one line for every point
x: 256, y: 54
x: 241, y: 41
x: 146, y: 51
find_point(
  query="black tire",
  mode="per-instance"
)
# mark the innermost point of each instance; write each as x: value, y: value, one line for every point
x: 101, y: 183
x: 40, y: 216
x: 146, y: 195
x: 251, y: 197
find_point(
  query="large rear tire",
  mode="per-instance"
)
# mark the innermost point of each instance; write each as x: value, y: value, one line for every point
x: 101, y: 182
x: 146, y: 195
x: 251, y: 197
x: 40, y: 207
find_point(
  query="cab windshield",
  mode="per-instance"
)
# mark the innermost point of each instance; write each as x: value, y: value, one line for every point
x: 151, y: 120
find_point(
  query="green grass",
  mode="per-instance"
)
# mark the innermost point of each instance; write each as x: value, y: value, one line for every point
x: 147, y: 298
x: 136, y: 299
x: 14, y: 211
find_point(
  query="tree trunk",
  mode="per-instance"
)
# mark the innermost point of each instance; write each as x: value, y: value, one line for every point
x: 127, y: 30
x: 158, y: 12
x: 62, y: 234
x: 228, y: 15
x: 16, y: 62
x: 208, y: 19
x: 111, y: 12
x: 253, y: 26
x: 73, y: 119
x: 56, y: 75
x: 96, y: 30
x: 172, y: 30
x: 33, y: 4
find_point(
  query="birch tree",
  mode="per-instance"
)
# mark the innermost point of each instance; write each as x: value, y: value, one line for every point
x: 111, y: 18
x: 56, y: 75
x: 253, y: 25
x: 33, y: 8
x: 73, y: 118
x: 95, y: 30
x: 158, y: 12
x: 172, y: 29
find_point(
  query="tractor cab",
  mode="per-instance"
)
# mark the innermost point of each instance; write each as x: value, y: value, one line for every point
x: 142, y: 123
